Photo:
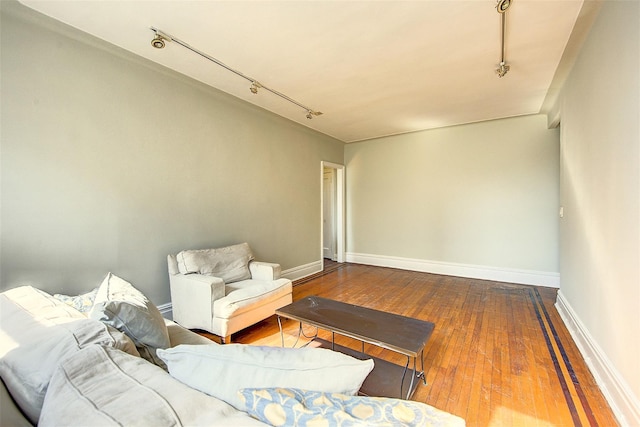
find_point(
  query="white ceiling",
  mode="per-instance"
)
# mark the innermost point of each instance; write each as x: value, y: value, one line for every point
x: 374, y: 68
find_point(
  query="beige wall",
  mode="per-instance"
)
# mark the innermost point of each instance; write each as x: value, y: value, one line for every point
x: 600, y: 192
x: 110, y: 162
x: 482, y: 195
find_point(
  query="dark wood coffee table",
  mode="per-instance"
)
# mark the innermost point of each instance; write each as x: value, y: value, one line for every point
x: 400, y: 334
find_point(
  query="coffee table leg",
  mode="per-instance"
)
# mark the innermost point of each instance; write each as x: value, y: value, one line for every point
x: 404, y: 374
x: 415, y: 374
x: 421, y: 373
x: 281, y: 331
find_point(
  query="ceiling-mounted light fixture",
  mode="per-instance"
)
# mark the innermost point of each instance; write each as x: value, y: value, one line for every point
x: 312, y: 113
x: 502, y: 69
x: 502, y: 7
x: 159, y: 42
x: 254, y: 87
x: 159, y: 39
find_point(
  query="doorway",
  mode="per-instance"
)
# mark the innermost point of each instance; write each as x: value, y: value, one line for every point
x: 332, y: 215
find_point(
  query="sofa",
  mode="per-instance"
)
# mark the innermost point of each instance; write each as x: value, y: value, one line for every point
x: 94, y: 360
x: 224, y: 290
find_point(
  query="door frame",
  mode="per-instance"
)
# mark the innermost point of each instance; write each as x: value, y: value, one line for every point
x: 340, y: 211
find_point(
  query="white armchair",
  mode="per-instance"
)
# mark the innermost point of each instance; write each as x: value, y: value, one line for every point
x: 224, y: 290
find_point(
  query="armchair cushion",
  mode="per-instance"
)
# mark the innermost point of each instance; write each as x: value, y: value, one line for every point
x: 247, y: 294
x: 230, y: 263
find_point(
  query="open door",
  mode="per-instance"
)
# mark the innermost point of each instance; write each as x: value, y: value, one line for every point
x: 329, y: 235
x: 332, y: 225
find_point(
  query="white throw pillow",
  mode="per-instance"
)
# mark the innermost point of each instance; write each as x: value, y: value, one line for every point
x: 230, y: 263
x: 124, y: 307
x: 222, y: 370
x: 104, y: 387
x: 37, y: 332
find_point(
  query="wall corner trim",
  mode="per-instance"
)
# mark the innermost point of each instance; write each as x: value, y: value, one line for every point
x: 625, y: 406
x: 523, y: 277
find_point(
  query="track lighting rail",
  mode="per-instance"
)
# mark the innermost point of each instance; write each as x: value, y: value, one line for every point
x: 159, y: 42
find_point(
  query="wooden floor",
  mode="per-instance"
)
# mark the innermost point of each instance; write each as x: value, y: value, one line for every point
x: 499, y: 355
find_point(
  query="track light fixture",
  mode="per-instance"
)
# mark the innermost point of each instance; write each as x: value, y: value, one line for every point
x: 254, y: 87
x: 502, y: 69
x: 159, y: 42
x: 159, y: 39
x: 502, y: 7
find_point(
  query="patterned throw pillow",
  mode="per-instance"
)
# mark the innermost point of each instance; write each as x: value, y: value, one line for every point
x: 82, y: 302
x: 293, y: 407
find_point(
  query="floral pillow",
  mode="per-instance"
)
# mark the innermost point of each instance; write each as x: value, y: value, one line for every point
x: 82, y: 302
x: 293, y: 407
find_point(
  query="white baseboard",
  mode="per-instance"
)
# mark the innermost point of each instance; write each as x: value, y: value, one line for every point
x: 524, y: 277
x: 166, y: 310
x: 302, y: 270
x: 625, y: 406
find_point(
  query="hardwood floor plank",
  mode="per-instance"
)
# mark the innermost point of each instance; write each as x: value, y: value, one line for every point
x: 499, y: 354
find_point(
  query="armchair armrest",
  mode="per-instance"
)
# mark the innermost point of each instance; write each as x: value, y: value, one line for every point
x: 264, y: 270
x: 192, y: 297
